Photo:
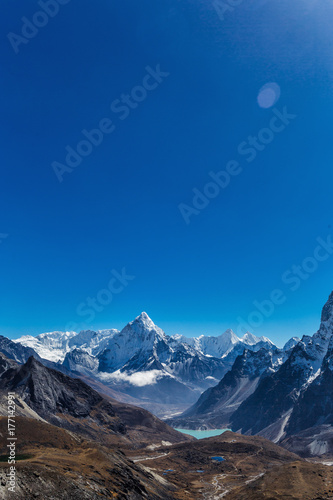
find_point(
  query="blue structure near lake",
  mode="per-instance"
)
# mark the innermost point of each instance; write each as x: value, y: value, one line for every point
x: 218, y: 459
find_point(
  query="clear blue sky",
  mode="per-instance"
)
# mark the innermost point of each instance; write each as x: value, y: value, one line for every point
x: 120, y: 206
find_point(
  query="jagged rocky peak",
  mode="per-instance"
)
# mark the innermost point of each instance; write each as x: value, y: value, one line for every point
x: 230, y: 336
x: 80, y: 360
x: 140, y: 338
x: 328, y: 360
x: 291, y: 343
x: 32, y: 366
x: 249, y: 338
x: 145, y: 320
x: 55, y: 339
x: 216, y: 346
x: 142, y: 325
x: 320, y: 340
x: 143, y: 316
x: 327, y: 312
x: 6, y: 363
x: 91, y: 337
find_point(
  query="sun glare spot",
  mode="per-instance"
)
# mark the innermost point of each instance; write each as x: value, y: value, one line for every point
x: 268, y: 95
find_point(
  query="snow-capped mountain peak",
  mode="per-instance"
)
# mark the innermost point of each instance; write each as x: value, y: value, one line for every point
x: 229, y: 336
x: 291, y: 343
x: 144, y: 328
x: 250, y: 339
x: 143, y: 347
x: 55, y: 345
x: 311, y: 350
x: 327, y: 311
x: 138, y: 341
x: 144, y: 323
x: 144, y: 318
x: 51, y: 345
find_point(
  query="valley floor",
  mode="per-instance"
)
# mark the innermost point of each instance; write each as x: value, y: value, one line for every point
x: 59, y: 465
x: 253, y: 469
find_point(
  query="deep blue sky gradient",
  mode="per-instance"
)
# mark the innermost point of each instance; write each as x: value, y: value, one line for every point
x: 119, y: 207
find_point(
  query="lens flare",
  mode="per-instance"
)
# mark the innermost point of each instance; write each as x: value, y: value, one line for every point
x: 268, y: 95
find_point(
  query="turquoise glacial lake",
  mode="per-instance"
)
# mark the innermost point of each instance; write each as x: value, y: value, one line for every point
x: 203, y: 434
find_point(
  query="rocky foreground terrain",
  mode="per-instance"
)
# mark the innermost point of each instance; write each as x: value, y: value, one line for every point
x: 74, y: 443
x: 57, y: 464
x: 61, y: 465
x: 51, y: 396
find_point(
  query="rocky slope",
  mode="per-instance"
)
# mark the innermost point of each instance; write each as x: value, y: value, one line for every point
x: 216, y: 406
x: 16, y: 351
x: 298, y: 395
x: 285, y: 395
x: 57, y: 464
x: 49, y: 395
x: 60, y: 465
x: 191, y: 467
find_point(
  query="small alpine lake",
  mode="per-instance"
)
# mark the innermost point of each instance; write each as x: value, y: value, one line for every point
x: 203, y: 434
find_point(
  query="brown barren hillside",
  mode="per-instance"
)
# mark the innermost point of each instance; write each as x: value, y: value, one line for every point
x: 189, y: 466
x: 295, y: 481
x: 69, y: 403
x: 60, y: 465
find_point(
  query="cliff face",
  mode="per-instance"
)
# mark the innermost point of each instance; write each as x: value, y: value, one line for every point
x: 300, y: 394
x: 73, y: 405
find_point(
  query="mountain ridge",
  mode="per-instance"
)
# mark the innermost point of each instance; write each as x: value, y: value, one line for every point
x: 70, y: 403
x: 283, y: 395
x: 144, y: 362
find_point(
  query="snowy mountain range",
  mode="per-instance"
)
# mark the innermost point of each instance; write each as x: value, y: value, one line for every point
x: 216, y: 405
x: 143, y: 362
x: 55, y: 345
x: 247, y: 384
x: 285, y: 396
x: 288, y: 401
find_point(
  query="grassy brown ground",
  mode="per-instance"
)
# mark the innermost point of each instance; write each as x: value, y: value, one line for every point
x: 66, y: 466
x: 63, y: 465
x: 298, y: 480
x: 254, y: 468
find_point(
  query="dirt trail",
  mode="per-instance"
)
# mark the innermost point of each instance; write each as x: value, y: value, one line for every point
x: 142, y: 459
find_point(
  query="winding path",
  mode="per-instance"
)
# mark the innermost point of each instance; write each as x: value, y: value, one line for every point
x: 150, y: 458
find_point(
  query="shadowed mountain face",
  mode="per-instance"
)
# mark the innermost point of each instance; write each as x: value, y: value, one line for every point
x: 272, y: 392
x: 274, y: 396
x: 314, y: 441
x: 314, y: 407
x: 216, y: 406
x: 59, y: 399
x: 295, y: 404
x: 71, y: 404
x: 279, y: 394
x: 6, y: 363
x: 21, y: 353
x: 299, y: 395
x: 16, y: 351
